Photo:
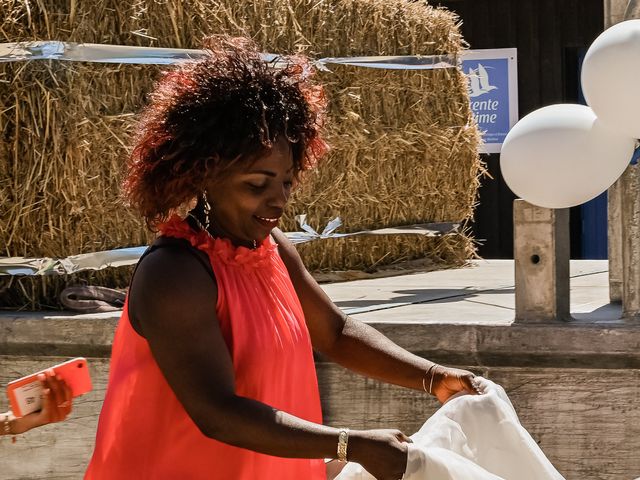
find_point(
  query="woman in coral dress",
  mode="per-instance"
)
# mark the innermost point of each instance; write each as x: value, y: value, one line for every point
x: 212, y: 373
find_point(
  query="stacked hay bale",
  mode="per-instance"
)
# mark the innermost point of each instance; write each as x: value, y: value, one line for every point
x: 404, y: 142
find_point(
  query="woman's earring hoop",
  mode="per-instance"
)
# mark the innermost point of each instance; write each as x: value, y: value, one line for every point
x: 206, y: 209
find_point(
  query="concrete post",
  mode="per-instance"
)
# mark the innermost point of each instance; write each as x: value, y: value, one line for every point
x: 614, y: 243
x: 630, y: 216
x: 616, y: 11
x: 541, y: 253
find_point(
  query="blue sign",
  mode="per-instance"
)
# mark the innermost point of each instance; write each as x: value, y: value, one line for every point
x: 493, y: 93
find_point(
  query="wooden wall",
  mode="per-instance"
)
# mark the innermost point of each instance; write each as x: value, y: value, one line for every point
x: 575, y: 388
x: 548, y: 35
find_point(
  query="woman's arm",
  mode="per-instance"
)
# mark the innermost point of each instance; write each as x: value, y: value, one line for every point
x: 360, y: 347
x: 172, y: 299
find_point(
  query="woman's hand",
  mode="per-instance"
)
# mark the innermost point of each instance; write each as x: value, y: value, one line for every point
x: 449, y: 381
x: 383, y: 453
x: 56, y: 404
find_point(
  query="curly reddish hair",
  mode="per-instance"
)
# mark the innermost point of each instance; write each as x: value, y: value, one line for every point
x: 208, y: 115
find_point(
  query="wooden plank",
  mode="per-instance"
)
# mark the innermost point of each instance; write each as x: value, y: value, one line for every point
x: 60, y: 451
x: 528, y: 44
x: 573, y: 15
x: 460, y: 8
x: 589, y: 343
x: 584, y: 19
x: 551, y: 53
x: 585, y: 420
x: 505, y: 215
x: 57, y: 335
x: 501, y: 25
x: 486, y: 227
x: 481, y: 15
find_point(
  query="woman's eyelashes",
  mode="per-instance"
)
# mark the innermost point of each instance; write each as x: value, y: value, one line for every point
x: 261, y: 187
x: 257, y: 187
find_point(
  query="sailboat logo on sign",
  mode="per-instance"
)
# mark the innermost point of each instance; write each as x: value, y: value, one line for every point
x: 479, y: 83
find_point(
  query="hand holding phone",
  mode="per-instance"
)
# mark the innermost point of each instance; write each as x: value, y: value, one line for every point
x: 56, y: 406
x: 25, y: 394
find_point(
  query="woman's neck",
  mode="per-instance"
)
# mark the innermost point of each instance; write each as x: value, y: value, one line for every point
x: 215, y: 231
x: 218, y: 232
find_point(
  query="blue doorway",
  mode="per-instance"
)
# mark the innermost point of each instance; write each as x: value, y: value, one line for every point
x: 593, y: 214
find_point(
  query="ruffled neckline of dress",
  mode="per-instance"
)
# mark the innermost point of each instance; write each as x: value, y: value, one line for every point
x: 220, y: 248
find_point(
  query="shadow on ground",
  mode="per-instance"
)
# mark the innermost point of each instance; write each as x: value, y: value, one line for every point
x: 426, y: 295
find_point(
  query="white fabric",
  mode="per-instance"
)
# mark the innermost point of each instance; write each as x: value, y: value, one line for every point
x: 472, y: 437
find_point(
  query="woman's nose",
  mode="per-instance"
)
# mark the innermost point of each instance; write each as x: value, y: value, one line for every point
x: 280, y: 196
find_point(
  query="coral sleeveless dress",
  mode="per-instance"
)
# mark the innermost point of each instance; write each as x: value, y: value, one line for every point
x: 145, y: 433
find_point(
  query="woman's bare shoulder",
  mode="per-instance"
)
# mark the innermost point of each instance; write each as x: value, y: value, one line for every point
x: 288, y: 252
x: 166, y: 280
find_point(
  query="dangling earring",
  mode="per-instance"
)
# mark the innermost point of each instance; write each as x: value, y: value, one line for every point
x: 206, y: 208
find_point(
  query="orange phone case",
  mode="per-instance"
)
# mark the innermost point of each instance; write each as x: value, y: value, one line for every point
x: 24, y: 393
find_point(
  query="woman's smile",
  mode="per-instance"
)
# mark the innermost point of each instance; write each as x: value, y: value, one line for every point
x: 269, y: 223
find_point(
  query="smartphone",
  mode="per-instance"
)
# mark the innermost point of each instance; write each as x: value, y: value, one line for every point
x: 24, y: 393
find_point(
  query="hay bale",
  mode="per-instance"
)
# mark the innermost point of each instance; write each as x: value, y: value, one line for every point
x: 404, y: 143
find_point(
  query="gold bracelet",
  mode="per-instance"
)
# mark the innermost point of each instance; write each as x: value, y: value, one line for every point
x: 424, y: 386
x: 343, y: 440
x: 7, y: 425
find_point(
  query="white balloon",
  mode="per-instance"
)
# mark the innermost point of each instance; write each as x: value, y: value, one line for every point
x: 561, y: 156
x: 611, y: 77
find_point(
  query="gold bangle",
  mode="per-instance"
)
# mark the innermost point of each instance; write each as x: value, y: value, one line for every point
x: 343, y: 440
x: 424, y: 386
x: 7, y: 425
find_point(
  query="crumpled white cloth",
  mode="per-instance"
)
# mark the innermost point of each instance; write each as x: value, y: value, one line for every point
x: 472, y: 437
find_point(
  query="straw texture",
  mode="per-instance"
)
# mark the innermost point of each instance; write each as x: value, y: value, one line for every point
x: 404, y: 144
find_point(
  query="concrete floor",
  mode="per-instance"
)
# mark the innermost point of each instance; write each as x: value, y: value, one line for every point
x: 482, y: 293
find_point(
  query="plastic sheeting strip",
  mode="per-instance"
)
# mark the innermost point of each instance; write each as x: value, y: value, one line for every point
x: 12, y: 266
x: 93, y: 52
